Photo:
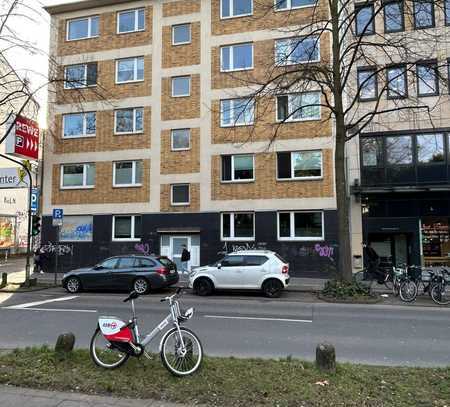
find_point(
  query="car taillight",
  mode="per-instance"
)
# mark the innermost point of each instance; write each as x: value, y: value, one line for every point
x: 285, y: 269
x: 162, y: 270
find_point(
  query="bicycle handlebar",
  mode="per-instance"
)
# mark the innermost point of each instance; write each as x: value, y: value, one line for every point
x: 179, y: 289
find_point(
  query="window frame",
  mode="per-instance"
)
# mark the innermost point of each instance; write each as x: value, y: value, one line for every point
x: 173, y: 34
x: 292, y: 236
x: 290, y: 119
x: 133, y: 174
x: 386, y: 150
x: 133, y: 237
x: 136, y: 20
x: 180, y: 203
x: 85, y: 85
x: 374, y: 69
x: 433, y: 15
x: 402, y: 7
x: 135, y: 70
x: 232, y: 231
x: 446, y: 16
x: 405, y: 78
x: 292, y: 177
x: 359, y: 7
x: 420, y: 163
x: 172, y: 148
x: 236, y: 124
x: 172, y: 87
x: 84, y: 134
x: 134, y: 131
x: 289, y: 6
x: 85, y: 171
x: 232, y: 15
x: 233, y: 180
x: 89, y: 36
x: 222, y: 47
x: 291, y: 40
x: 436, y: 78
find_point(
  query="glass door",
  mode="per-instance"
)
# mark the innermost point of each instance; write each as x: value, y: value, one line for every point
x: 176, y: 248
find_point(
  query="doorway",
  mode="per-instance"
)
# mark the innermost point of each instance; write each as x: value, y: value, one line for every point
x: 172, y: 247
x: 392, y: 248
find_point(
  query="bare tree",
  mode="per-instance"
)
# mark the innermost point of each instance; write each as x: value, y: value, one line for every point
x: 360, y: 70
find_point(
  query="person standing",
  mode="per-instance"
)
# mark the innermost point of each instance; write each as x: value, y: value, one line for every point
x: 185, y: 257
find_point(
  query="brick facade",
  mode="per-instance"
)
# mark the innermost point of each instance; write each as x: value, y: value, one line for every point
x: 266, y: 185
x: 180, y: 162
x: 178, y: 108
x: 178, y: 8
x: 194, y: 205
x: 184, y: 54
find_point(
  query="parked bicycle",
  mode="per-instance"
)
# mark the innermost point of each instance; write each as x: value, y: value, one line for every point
x: 114, y: 340
x: 383, y: 275
x: 440, y: 293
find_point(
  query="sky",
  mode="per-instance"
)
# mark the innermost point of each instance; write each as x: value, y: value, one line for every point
x: 34, y: 66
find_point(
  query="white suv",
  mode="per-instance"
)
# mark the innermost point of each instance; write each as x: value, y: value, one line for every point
x: 249, y: 270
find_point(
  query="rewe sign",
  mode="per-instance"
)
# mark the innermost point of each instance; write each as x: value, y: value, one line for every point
x: 23, y: 140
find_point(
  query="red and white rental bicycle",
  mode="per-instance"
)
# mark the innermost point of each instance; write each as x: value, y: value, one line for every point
x: 114, y: 340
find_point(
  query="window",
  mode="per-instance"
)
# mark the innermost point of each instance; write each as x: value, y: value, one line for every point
x: 82, y: 28
x: 181, y: 34
x: 397, y: 84
x: 180, y: 194
x: 365, y: 21
x: 281, y: 5
x: 399, y: 150
x: 367, y: 83
x: 238, y: 167
x: 181, y: 86
x: 371, y: 148
x: 427, y: 79
x: 255, y: 260
x: 238, y: 226
x: 109, y: 263
x: 423, y: 14
x: 127, y: 173
x: 144, y: 263
x: 131, y: 21
x: 300, y: 226
x: 130, y: 70
x: 127, y: 227
x: 299, y: 165
x: 236, y: 57
x: 74, y: 176
x: 80, y: 76
x: 237, y: 112
x: 447, y: 11
x: 430, y: 148
x: 180, y: 139
x: 393, y: 16
x: 79, y: 125
x: 126, y: 263
x: 129, y: 120
x: 233, y: 261
x: 235, y: 8
x: 298, y: 107
x: 297, y: 50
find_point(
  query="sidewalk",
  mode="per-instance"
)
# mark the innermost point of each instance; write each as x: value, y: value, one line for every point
x: 11, y: 396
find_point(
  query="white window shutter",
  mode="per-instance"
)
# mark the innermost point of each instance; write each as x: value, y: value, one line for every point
x: 195, y: 256
x: 165, y: 251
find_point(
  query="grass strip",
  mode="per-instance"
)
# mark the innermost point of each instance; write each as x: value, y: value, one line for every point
x: 232, y: 382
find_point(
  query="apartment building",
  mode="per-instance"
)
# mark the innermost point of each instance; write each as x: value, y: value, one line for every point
x: 399, y: 167
x: 156, y: 145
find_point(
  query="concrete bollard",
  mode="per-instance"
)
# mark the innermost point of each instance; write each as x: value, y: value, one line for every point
x: 64, y: 344
x: 326, y: 357
x: 4, y: 282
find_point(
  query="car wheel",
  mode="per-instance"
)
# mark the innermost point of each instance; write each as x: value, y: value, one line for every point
x: 141, y: 286
x: 73, y: 285
x: 203, y: 286
x: 272, y: 288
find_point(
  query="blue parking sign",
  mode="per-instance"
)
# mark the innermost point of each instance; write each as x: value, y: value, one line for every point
x: 58, y: 215
x: 34, y: 201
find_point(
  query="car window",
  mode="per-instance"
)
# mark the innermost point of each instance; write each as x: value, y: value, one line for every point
x: 145, y: 263
x: 126, y: 263
x: 109, y: 263
x: 167, y: 262
x: 255, y: 260
x: 280, y: 258
x: 233, y: 261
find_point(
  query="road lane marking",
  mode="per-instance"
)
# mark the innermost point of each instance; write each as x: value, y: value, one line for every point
x: 50, y: 309
x: 259, y: 318
x: 36, y: 303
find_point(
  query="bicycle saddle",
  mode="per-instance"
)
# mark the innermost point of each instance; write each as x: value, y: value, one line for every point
x: 133, y: 295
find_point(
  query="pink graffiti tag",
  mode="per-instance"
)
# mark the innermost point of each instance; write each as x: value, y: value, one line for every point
x: 324, y: 251
x: 143, y: 248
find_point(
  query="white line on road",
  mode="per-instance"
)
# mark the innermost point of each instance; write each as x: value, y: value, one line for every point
x: 50, y: 309
x: 258, y: 318
x: 34, y: 304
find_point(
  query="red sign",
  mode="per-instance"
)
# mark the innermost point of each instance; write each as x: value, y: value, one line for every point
x: 24, y: 140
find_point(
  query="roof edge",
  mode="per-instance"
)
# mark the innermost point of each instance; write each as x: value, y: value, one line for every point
x: 82, y: 5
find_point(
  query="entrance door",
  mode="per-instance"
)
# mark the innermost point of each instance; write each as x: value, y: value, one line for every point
x: 176, y: 248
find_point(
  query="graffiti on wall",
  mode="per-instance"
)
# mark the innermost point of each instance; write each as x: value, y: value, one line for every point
x: 142, y: 248
x: 324, y: 251
x: 58, y: 249
x: 76, y: 229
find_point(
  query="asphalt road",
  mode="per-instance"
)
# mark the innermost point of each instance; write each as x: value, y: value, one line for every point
x: 244, y: 325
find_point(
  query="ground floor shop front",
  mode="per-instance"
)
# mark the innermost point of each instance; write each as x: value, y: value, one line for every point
x: 306, y: 239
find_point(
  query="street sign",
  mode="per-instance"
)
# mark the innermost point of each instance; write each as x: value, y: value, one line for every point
x: 58, y: 216
x: 34, y: 201
x: 23, y: 140
x: 9, y: 179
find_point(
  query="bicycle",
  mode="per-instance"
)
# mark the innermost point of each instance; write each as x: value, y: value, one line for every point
x: 409, y: 288
x: 114, y: 340
x: 365, y: 278
x: 440, y: 293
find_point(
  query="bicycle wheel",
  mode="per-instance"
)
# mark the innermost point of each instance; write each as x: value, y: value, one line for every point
x: 408, y: 291
x: 179, y: 361
x: 440, y: 293
x: 103, y: 354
